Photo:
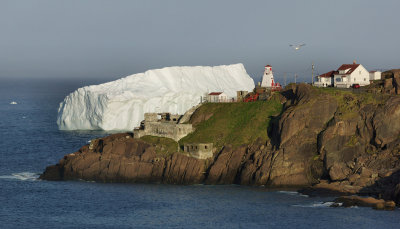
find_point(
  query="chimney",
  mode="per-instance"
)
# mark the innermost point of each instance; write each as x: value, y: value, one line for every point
x: 354, y: 62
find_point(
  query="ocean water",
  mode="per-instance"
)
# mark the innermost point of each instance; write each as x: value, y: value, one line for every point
x: 30, y: 140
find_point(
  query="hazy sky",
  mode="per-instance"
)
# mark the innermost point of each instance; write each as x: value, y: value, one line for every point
x: 112, y: 39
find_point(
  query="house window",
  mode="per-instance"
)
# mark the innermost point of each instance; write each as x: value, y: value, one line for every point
x: 359, y: 72
x: 365, y: 79
x: 338, y: 80
x: 354, y: 80
x: 205, y: 147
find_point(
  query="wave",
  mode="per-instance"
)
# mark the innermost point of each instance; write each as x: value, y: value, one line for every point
x: 23, y: 176
x: 293, y: 193
x: 315, y: 205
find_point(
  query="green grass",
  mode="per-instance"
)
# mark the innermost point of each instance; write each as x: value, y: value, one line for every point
x: 164, y: 146
x: 234, y: 123
x: 349, y: 103
x: 328, y: 90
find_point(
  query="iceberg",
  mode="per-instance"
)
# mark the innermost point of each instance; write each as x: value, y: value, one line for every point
x: 121, y: 104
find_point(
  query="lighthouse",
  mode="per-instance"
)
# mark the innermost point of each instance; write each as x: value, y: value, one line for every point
x: 268, y: 77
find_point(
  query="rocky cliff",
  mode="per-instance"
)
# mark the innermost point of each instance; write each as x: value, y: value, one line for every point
x: 321, y: 138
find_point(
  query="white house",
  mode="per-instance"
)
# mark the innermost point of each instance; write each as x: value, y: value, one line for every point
x: 375, y: 75
x: 217, y: 97
x: 325, y: 80
x: 346, y: 76
x: 349, y: 74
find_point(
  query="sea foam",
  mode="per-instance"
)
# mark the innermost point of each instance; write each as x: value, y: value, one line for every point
x: 23, y: 176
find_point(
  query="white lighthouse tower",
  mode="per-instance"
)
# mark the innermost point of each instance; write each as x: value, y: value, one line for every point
x: 268, y: 77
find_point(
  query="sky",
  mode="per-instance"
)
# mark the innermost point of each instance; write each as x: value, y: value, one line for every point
x: 108, y: 40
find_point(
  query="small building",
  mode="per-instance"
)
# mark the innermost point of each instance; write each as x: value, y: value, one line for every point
x: 217, y: 97
x: 267, y: 80
x: 268, y: 77
x: 199, y: 150
x: 375, y: 75
x: 325, y: 80
x: 162, y: 125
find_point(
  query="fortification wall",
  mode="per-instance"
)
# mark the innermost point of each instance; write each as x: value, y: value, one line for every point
x: 165, y: 129
x: 199, y: 150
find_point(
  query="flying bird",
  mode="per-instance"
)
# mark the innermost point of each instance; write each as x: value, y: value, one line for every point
x: 297, y: 47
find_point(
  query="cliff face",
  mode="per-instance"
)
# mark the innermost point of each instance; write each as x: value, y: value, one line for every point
x: 323, y: 137
x: 120, y: 158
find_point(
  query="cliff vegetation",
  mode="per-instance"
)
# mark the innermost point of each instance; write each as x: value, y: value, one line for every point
x: 233, y: 123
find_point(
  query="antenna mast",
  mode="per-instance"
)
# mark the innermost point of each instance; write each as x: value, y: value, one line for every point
x: 312, y: 74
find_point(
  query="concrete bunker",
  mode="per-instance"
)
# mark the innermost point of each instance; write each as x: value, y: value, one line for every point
x: 199, y: 150
x: 163, y: 125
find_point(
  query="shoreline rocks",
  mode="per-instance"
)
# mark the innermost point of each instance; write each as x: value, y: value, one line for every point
x: 350, y: 201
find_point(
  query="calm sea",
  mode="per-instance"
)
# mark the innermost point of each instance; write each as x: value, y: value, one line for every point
x: 30, y: 140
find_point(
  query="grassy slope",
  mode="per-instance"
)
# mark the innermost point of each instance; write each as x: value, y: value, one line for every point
x: 234, y: 123
x: 163, y: 146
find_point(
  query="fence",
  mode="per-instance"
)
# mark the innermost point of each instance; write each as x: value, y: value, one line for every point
x: 228, y: 100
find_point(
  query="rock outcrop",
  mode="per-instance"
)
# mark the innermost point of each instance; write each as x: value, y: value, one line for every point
x: 120, y: 158
x: 339, y: 141
x: 350, y: 201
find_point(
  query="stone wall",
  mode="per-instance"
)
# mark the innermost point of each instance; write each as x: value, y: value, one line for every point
x: 199, y: 150
x: 167, y: 129
x: 163, y: 125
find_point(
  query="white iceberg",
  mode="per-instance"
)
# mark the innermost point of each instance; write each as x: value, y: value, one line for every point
x: 121, y: 104
x: 13, y: 103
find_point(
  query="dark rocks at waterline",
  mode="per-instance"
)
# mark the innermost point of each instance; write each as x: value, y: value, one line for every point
x: 121, y: 158
x: 351, y: 201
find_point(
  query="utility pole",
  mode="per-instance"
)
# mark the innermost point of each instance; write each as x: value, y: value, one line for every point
x: 312, y: 74
x: 284, y: 77
x: 295, y: 78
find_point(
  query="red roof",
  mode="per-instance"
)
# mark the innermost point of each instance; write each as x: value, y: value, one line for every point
x: 268, y: 65
x: 328, y: 74
x: 352, y: 67
x: 215, y: 93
